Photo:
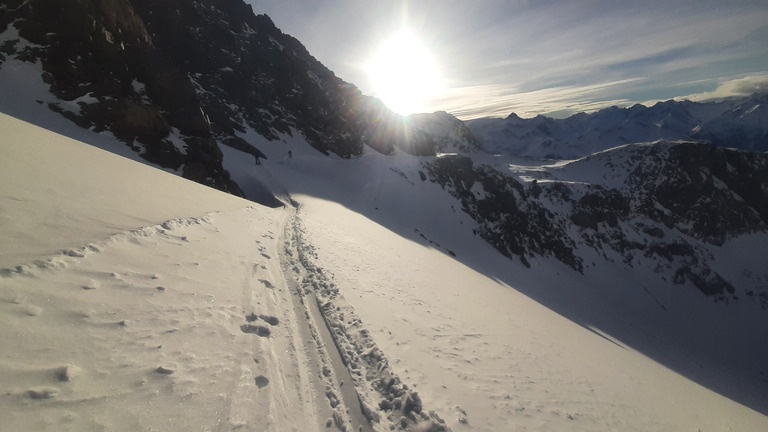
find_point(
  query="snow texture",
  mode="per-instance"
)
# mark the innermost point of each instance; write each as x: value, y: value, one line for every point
x: 131, y: 299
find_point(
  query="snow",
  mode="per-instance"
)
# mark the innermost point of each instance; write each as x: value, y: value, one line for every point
x: 740, y: 121
x: 481, y: 351
x: 175, y: 138
x: 491, y: 345
x: 131, y: 299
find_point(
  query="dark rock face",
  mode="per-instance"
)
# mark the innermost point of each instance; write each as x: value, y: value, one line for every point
x: 600, y: 206
x: 247, y: 73
x: 689, y: 193
x: 439, y: 132
x: 510, y: 219
x: 204, y: 71
x: 717, y: 192
x: 675, y: 198
x: 100, y: 54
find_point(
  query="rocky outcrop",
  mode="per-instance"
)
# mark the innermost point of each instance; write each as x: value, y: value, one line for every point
x: 509, y: 218
x: 705, y: 192
x: 665, y: 205
x: 439, y: 132
x: 100, y: 55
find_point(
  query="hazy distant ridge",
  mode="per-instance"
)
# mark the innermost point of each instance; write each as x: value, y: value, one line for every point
x: 738, y: 123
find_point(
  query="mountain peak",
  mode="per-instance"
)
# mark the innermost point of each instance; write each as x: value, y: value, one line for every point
x: 737, y: 123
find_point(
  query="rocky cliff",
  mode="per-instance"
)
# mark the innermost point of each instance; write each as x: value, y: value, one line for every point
x: 664, y: 205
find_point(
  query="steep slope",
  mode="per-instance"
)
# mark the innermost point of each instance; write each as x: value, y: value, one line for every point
x: 123, y: 293
x: 175, y: 80
x: 494, y: 345
x: 116, y: 318
x: 105, y: 72
x: 739, y: 123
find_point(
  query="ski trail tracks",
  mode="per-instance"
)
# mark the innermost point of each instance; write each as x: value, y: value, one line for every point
x: 324, y: 358
x: 361, y: 387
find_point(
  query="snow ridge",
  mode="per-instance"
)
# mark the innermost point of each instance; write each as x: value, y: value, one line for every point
x: 67, y: 257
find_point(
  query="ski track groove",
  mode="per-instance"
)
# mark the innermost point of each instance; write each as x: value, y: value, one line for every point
x: 384, y: 400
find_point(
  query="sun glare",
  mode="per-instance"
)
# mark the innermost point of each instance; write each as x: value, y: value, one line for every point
x: 404, y: 74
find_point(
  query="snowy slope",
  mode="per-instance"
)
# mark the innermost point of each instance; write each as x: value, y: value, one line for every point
x: 410, y: 293
x: 634, y: 295
x: 131, y: 299
x: 493, y: 345
x: 489, y: 358
x: 175, y: 291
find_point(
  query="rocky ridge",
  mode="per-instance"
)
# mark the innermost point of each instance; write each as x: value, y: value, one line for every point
x: 662, y: 205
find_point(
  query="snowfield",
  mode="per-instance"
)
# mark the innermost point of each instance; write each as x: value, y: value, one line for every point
x: 132, y: 299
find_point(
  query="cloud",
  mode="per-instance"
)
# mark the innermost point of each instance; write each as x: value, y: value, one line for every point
x: 499, y: 101
x: 547, y: 57
x: 737, y: 87
x: 558, y: 60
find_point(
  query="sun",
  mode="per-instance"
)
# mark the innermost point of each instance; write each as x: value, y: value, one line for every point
x: 404, y: 74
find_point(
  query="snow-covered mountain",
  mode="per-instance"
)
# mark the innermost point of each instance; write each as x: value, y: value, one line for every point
x: 739, y: 123
x: 131, y: 299
x: 177, y: 79
x: 472, y: 279
x: 662, y: 205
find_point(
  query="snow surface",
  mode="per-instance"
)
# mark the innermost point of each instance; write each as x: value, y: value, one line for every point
x: 131, y: 299
x: 468, y: 334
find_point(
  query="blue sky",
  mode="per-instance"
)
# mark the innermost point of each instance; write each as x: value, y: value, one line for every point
x: 546, y: 57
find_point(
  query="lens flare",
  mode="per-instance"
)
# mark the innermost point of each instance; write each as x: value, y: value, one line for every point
x: 404, y: 74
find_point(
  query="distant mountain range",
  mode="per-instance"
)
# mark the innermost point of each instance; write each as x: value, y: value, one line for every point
x: 738, y: 123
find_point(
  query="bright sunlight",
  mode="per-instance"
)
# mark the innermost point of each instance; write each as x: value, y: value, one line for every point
x: 404, y: 74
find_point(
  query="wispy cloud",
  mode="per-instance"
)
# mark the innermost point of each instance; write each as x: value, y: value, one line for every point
x: 537, y: 57
x: 497, y: 101
x: 585, y: 62
x: 737, y: 87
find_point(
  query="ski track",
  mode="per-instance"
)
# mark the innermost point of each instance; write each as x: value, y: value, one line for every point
x: 385, y: 402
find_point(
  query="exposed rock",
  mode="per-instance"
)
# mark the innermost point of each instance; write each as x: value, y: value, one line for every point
x: 510, y: 220
x: 696, y: 192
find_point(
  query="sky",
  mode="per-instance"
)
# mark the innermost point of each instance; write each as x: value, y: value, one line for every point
x: 555, y: 58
